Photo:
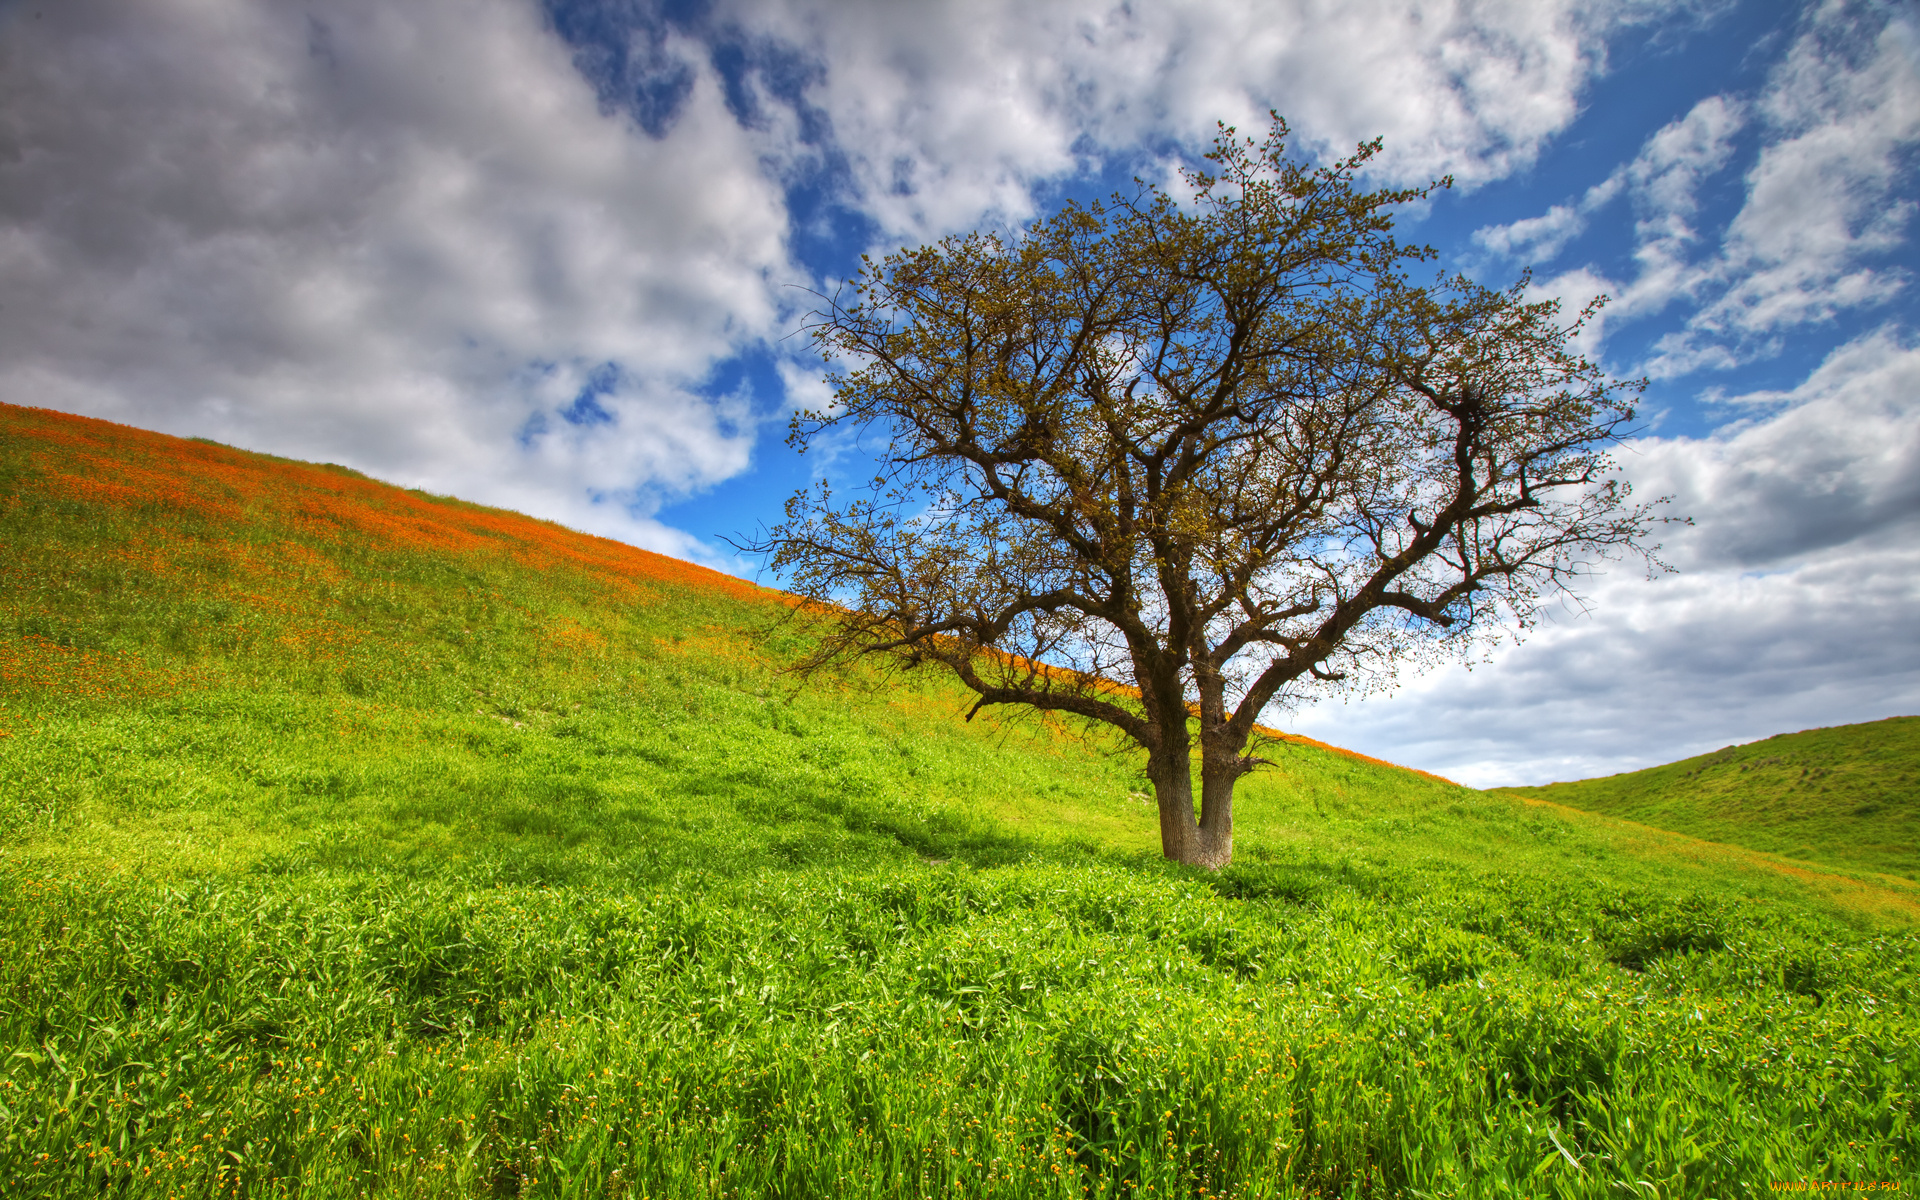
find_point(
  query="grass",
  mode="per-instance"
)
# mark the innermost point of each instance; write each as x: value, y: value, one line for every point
x: 360, y: 842
x: 1848, y: 796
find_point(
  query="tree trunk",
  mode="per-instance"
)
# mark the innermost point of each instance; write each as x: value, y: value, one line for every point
x: 1207, y: 842
x: 1219, y: 771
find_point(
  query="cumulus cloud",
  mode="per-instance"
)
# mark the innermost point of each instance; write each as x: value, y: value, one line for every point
x: 1534, y: 239
x: 408, y: 238
x: 1662, y: 181
x: 1840, y: 464
x: 948, y: 112
x: 1844, y: 104
x: 1666, y: 175
x: 1837, y: 115
x: 1657, y: 676
x: 1791, y: 606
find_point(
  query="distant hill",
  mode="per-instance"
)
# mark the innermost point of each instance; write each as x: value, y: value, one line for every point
x: 1846, y: 796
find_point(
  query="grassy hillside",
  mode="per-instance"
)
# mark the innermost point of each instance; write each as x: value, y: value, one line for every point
x: 1847, y: 796
x: 360, y: 842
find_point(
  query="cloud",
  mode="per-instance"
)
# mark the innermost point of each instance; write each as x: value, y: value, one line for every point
x: 1666, y: 175
x: 1792, y: 606
x: 399, y: 237
x: 1662, y: 181
x: 806, y: 388
x: 1656, y: 676
x: 1837, y: 115
x: 1840, y: 464
x: 1535, y: 239
x: 1844, y: 104
x: 1574, y: 290
x: 410, y: 238
x: 950, y: 112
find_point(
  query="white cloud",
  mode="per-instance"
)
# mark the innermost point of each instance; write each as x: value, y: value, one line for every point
x: 1681, y: 353
x: 406, y: 237
x: 1658, y: 675
x: 1823, y: 196
x: 1840, y: 463
x: 1535, y: 239
x: 1837, y: 115
x: 806, y: 387
x: 389, y: 236
x: 1792, y: 606
x: 1663, y: 180
x: 951, y: 111
x: 1666, y: 175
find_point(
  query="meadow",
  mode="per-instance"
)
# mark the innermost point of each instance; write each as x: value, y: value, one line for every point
x: 358, y: 842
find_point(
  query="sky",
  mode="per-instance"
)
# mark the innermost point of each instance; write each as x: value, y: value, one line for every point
x: 554, y: 257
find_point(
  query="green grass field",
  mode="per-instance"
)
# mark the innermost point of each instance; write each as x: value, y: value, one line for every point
x: 360, y: 842
x: 1847, y: 796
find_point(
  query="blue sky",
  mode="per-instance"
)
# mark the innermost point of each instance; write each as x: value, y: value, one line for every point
x: 553, y: 256
x: 1655, y: 75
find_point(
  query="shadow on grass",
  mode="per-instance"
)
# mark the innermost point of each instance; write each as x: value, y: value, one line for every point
x: 1302, y: 883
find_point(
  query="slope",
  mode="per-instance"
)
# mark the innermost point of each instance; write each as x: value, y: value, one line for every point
x: 221, y: 658
x: 1848, y: 796
x: 355, y: 841
x: 263, y: 648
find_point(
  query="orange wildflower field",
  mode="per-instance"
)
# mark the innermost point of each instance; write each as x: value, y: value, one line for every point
x: 272, y: 548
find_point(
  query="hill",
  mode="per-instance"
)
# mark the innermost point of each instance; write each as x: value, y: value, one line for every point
x: 1848, y: 796
x: 356, y: 841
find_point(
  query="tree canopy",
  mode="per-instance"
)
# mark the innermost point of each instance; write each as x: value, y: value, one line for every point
x: 1160, y: 463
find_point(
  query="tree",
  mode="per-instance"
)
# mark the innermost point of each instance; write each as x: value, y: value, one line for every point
x: 1158, y: 465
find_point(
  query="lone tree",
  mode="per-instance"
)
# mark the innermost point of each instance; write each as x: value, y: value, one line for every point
x: 1160, y: 464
